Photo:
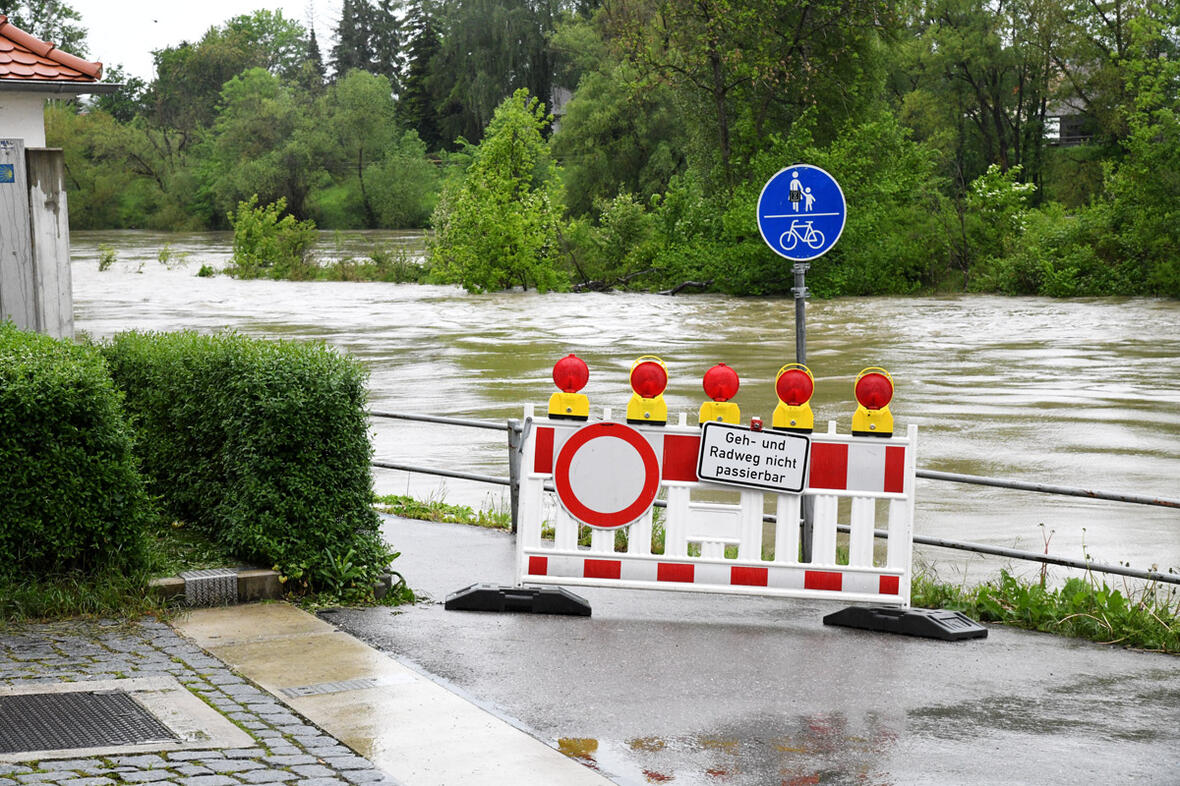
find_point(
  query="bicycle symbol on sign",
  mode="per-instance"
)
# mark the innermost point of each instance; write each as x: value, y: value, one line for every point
x: 792, y: 237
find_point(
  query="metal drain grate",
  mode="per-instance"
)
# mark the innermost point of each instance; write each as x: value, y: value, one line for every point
x: 215, y: 587
x: 64, y: 721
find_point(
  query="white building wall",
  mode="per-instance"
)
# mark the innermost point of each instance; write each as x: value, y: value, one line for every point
x: 22, y: 116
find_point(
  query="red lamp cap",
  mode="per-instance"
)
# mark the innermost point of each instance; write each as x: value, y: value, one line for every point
x: 649, y: 377
x: 570, y: 374
x: 873, y: 388
x: 794, y: 384
x: 721, y: 383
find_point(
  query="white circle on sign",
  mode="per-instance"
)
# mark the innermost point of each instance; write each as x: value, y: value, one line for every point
x: 606, y: 475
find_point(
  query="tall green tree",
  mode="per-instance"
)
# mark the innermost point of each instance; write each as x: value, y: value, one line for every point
x: 49, y: 20
x: 984, y: 68
x: 126, y: 102
x: 354, y: 34
x: 745, y: 70
x: 387, y: 57
x: 358, y: 113
x: 618, y: 134
x: 498, y: 227
x: 312, y: 74
x: 253, y: 152
x: 416, y: 105
x: 490, y: 48
x: 189, y: 76
x: 1096, y: 46
x: 1145, y: 187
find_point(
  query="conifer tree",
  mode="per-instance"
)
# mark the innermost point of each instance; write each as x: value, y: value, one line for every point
x: 353, y: 38
x: 385, y: 42
x: 415, y: 104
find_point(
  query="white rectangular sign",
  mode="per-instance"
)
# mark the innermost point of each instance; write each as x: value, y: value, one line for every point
x: 775, y: 460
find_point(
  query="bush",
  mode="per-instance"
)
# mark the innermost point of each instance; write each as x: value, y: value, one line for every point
x: 498, y: 228
x: 262, y: 446
x: 72, y: 498
x: 266, y: 245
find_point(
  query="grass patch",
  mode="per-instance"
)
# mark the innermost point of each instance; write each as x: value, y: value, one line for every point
x: 76, y: 594
x: 175, y: 547
x: 435, y: 510
x: 1146, y: 617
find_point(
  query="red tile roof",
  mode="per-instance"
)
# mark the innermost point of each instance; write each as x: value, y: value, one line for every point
x: 25, y: 57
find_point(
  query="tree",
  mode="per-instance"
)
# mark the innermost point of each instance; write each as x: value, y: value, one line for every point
x: 387, y: 58
x: 125, y: 103
x: 312, y: 74
x: 353, y: 47
x: 404, y: 184
x: 985, y: 67
x: 1096, y: 46
x: 744, y: 70
x: 1144, y: 189
x: 359, y: 114
x: 618, y: 135
x: 252, y: 151
x: 189, y: 76
x: 416, y: 105
x: 50, y: 20
x: 498, y: 228
x: 273, y: 42
x: 490, y: 48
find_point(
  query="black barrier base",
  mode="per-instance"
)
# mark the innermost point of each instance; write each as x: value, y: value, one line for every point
x: 927, y: 623
x: 533, y: 600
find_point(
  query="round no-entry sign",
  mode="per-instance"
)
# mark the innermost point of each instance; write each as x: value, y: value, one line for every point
x: 606, y: 475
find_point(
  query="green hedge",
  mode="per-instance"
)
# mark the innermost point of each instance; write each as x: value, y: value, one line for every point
x: 70, y: 496
x: 261, y: 445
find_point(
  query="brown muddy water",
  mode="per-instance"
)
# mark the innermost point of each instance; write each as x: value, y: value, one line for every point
x: 1082, y: 392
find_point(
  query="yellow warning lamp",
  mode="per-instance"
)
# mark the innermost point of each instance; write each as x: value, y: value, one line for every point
x: 721, y: 384
x: 649, y: 377
x: 874, y: 390
x: 794, y: 386
x: 570, y: 374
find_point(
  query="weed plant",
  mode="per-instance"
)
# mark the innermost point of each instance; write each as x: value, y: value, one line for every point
x: 106, y: 257
x: 110, y: 594
x: 1145, y: 618
x: 435, y: 510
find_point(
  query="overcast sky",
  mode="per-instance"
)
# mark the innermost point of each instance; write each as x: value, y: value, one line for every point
x: 126, y: 31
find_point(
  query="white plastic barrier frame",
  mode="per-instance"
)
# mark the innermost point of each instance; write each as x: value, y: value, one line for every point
x: 864, y: 469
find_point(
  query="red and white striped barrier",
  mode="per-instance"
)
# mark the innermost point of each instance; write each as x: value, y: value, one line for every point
x: 607, y: 475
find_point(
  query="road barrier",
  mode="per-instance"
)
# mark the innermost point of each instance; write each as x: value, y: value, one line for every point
x: 514, y: 429
x: 608, y: 474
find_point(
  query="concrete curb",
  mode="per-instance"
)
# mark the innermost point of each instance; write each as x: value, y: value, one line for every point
x: 254, y: 584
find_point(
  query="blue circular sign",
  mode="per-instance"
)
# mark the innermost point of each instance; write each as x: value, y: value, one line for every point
x: 801, y: 212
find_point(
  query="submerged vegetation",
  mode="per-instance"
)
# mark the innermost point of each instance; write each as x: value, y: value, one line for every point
x: 1013, y: 147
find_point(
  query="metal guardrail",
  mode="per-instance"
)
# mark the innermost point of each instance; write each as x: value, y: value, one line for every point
x: 514, y: 430
x: 1047, y: 488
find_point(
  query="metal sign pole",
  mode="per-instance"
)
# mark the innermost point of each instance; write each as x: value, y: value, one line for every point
x: 800, y: 289
x: 807, y: 509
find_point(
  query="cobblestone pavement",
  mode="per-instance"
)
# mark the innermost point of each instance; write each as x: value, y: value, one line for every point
x: 287, y: 750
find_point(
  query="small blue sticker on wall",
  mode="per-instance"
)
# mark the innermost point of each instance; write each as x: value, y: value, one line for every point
x: 7, y: 173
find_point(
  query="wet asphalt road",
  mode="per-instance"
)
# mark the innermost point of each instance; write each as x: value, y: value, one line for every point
x: 662, y: 687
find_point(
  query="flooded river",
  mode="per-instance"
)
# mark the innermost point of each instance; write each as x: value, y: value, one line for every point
x: 1070, y: 392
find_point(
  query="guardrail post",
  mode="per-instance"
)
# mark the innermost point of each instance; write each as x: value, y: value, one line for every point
x: 515, y: 435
